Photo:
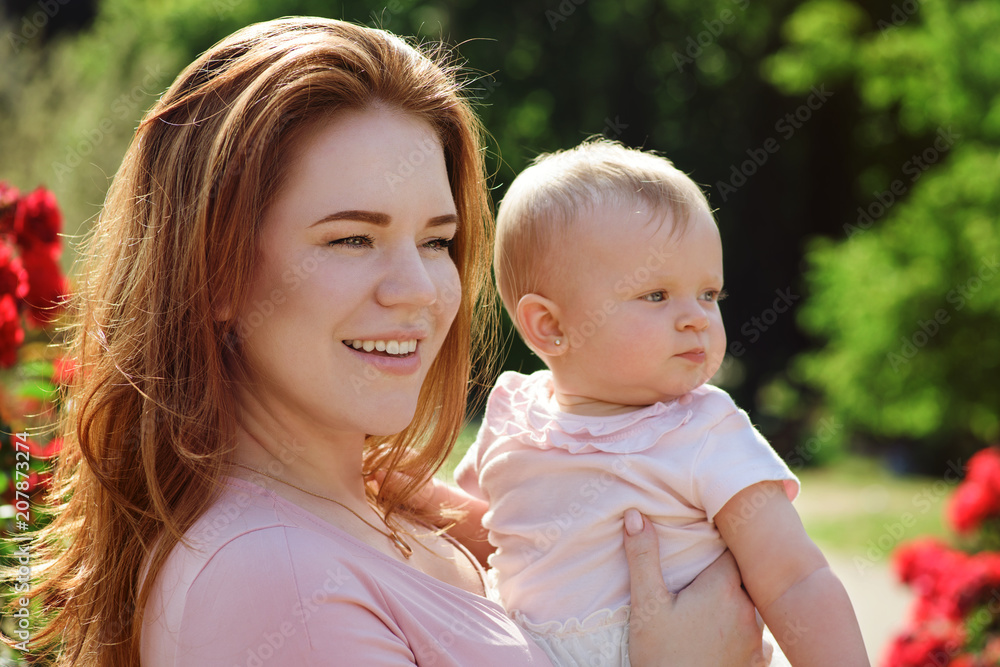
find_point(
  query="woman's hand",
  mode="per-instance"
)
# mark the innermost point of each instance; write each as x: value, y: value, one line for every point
x: 711, y: 622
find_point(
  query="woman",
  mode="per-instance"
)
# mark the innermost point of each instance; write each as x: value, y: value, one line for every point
x: 279, y: 301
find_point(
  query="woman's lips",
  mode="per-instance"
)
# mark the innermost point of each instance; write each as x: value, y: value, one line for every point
x: 406, y: 364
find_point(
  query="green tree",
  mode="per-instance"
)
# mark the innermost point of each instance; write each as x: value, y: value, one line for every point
x: 907, y: 302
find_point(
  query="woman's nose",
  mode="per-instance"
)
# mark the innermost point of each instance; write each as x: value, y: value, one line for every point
x: 407, y: 280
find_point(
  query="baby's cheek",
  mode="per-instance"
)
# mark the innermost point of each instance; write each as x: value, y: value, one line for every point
x: 717, y: 350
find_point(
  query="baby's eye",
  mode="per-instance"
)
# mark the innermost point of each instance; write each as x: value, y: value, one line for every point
x: 715, y: 295
x: 440, y: 244
x: 359, y: 241
x: 655, y: 297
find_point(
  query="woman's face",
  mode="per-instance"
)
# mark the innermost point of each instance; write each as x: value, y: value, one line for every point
x: 355, y: 290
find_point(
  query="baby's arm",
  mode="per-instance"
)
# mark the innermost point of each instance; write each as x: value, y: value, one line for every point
x: 789, y: 580
x: 469, y: 529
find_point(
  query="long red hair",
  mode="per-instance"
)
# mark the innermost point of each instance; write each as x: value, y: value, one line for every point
x: 150, y: 420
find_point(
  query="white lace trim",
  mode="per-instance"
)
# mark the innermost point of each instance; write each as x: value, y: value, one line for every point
x: 596, y: 621
x: 534, y: 421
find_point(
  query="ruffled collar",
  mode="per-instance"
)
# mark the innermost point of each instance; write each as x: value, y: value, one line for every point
x: 523, y: 407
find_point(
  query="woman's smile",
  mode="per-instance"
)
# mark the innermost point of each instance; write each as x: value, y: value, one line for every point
x: 388, y: 355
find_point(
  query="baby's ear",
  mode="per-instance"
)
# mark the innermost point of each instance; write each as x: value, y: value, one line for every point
x: 538, y: 320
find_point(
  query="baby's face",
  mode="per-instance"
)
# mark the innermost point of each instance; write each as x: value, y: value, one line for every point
x: 640, y: 308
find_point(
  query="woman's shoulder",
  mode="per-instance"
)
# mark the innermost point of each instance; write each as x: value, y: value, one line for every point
x: 250, y: 531
x: 261, y: 575
x: 254, y: 567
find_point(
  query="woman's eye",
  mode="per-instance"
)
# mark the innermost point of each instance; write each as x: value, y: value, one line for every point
x: 440, y: 244
x: 655, y: 297
x: 360, y: 241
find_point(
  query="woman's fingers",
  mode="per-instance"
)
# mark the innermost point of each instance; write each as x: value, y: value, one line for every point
x: 734, y: 610
x: 642, y: 548
x: 652, y: 603
x: 711, y: 622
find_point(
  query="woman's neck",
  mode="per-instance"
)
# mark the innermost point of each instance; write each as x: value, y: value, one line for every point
x: 297, y: 453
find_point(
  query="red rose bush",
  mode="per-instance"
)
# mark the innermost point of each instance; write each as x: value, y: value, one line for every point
x: 30, y: 277
x: 33, y: 290
x: 955, y: 620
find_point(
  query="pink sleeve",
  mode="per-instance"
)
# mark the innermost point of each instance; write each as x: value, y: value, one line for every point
x: 467, y: 471
x: 734, y: 456
x: 497, y: 412
x: 255, y: 603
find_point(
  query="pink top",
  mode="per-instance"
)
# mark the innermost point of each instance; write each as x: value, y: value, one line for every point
x: 558, y: 486
x: 269, y: 583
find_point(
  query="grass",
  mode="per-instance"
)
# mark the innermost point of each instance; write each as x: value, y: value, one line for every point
x: 854, y: 506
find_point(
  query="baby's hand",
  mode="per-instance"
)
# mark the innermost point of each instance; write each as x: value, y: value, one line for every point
x: 426, y: 501
x: 436, y: 496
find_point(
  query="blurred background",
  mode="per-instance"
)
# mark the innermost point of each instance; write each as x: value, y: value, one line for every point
x: 850, y: 149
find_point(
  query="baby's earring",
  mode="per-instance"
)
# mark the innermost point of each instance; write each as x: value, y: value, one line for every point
x: 558, y: 342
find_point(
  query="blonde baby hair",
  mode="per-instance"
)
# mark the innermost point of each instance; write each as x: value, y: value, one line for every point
x: 560, y: 188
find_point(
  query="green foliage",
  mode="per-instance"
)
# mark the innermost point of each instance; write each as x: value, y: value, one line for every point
x: 905, y: 306
x: 909, y: 301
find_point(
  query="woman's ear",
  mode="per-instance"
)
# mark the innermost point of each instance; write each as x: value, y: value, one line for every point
x: 538, y: 320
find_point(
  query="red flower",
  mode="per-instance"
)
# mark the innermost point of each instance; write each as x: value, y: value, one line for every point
x: 63, y: 370
x: 11, y: 333
x: 932, y: 569
x: 984, y: 467
x: 13, y: 277
x: 49, y: 450
x: 924, y: 558
x: 8, y: 207
x: 971, y: 504
x: 37, y: 220
x: 46, y: 285
x: 922, y: 649
x: 977, y: 498
x: 976, y: 583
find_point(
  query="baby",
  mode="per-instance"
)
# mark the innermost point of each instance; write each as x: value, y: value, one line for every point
x: 609, y: 262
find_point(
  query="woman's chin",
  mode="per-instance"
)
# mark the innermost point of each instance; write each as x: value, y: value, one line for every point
x: 392, y: 423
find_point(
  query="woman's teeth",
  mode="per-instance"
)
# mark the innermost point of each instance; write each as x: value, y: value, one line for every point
x: 387, y: 346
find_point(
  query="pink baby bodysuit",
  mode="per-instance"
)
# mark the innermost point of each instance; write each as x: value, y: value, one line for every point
x: 558, y: 486
x: 268, y: 584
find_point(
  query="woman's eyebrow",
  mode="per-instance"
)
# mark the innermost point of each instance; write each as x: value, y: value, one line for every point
x: 449, y: 219
x: 381, y: 219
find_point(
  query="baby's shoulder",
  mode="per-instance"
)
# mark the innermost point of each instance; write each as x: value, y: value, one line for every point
x: 711, y: 404
x: 515, y: 392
